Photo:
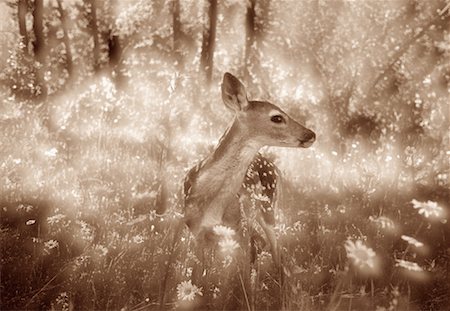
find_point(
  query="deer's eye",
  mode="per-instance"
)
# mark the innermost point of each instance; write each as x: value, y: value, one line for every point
x: 277, y: 119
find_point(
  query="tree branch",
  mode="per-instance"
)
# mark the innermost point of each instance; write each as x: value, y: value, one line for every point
x: 389, y: 68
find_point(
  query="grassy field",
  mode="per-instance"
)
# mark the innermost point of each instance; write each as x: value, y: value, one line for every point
x: 91, y: 172
x: 89, y: 211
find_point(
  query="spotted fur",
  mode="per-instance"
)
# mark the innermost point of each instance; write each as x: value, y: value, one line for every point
x: 260, y: 183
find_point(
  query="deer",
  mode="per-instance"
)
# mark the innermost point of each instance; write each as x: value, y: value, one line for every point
x: 235, y: 170
x: 236, y: 173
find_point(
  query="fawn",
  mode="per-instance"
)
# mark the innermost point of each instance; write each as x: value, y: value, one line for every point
x: 235, y: 173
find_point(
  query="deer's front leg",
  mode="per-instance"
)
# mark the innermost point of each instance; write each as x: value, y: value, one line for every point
x: 265, y: 177
x: 271, y: 236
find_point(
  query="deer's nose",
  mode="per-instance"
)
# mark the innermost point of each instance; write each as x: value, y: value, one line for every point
x: 309, y: 136
x: 307, y: 139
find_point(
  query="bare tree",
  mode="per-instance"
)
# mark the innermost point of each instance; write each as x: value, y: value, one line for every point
x: 22, y: 8
x: 250, y: 35
x: 95, y: 33
x: 115, y: 52
x: 254, y: 35
x: 39, y: 45
x: 208, y: 43
x: 66, y: 40
x: 176, y: 26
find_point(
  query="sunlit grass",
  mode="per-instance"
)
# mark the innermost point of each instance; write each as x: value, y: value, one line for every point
x: 102, y: 173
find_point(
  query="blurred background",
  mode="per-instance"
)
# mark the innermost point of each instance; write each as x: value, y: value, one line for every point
x: 105, y: 105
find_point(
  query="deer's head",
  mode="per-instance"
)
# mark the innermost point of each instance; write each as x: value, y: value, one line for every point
x: 262, y: 121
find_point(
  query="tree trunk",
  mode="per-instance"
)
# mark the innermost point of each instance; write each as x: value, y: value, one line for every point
x: 66, y: 40
x: 176, y: 28
x: 22, y: 8
x: 39, y: 46
x: 249, y: 40
x: 208, y: 43
x: 254, y: 26
x: 94, y: 29
x: 115, y: 60
x: 176, y: 24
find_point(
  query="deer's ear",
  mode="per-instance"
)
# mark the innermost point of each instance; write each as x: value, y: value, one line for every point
x: 233, y: 93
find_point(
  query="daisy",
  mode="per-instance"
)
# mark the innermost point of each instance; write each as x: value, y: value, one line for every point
x: 409, y: 265
x: 360, y: 254
x: 187, y: 291
x: 51, y: 152
x: 383, y: 222
x: 55, y: 219
x: 228, y: 245
x: 223, y: 231
x: 412, y: 241
x: 428, y: 208
x: 138, y: 239
x: 216, y: 292
x: 51, y: 244
x: 102, y: 250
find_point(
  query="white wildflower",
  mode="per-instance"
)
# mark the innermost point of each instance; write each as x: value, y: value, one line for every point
x: 30, y: 222
x: 428, y: 208
x: 224, y: 231
x: 189, y: 271
x: 216, y: 292
x: 85, y: 231
x: 152, y: 215
x: 228, y: 245
x: 17, y: 161
x: 412, y: 241
x: 55, y: 219
x: 138, y: 239
x: 299, y: 226
x: 102, y: 250
x: 409, y: 265
x: 26, y: 208
x: 383, y: 222
x: 51, y: 152
x: 360, y: 254
x: 51, y: 244
x: 187, y: 291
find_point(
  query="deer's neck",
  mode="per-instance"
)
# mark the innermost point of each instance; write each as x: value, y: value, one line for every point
x: 223, y: 171
x: 216, y: 182
x: 234, y: 153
